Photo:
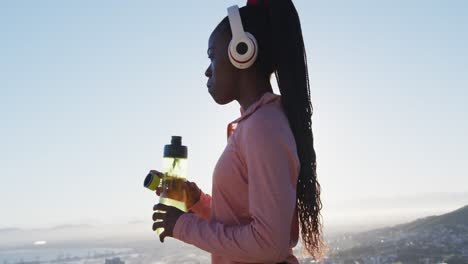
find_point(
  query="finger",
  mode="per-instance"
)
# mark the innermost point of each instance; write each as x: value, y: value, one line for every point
x: 157, y: 207
x: 159, y: 215
x: 162, y: 236
x: 194, y: 186
x: 161, y: 207
x: 193, y: 189
x: 157, y: 173
x: 191, y: 186
x: 186, y: 186
x: 157, y: 225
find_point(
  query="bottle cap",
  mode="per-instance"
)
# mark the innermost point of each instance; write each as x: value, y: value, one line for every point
x: 175, y: 149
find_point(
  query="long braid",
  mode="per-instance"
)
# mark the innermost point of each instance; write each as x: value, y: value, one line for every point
x: 293, y: 81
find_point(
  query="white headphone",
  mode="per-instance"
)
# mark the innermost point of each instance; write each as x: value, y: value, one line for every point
x: 243, y: 48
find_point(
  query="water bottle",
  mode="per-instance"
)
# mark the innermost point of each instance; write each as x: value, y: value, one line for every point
x: 174, y: 175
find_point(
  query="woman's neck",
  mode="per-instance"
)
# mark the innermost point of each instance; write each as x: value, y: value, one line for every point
x: 251, y: 91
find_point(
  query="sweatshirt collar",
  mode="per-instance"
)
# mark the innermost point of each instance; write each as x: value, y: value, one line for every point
x: 266, y: 98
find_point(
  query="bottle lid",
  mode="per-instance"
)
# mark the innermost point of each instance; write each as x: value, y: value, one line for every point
x: 175, y: 149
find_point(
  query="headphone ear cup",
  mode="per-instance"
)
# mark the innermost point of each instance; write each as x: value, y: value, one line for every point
x: 254, y: 44
x: 243, y: 51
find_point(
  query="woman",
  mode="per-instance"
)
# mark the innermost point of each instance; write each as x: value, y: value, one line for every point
x: 264, y: 183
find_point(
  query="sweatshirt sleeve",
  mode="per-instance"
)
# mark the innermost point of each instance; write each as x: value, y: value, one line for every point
x: 202, y: 208
x: 272, y: 164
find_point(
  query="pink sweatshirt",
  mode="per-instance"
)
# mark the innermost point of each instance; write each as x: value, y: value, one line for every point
x: 252, y: 214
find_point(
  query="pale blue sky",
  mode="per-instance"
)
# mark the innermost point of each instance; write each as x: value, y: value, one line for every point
x: 90, y: 91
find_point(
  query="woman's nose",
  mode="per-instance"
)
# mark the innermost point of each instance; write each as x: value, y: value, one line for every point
x: 208, y: 72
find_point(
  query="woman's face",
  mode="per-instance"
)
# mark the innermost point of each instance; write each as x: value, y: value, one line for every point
x: 222, y: 81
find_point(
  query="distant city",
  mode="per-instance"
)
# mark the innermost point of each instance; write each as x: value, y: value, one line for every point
x: 433, y: 239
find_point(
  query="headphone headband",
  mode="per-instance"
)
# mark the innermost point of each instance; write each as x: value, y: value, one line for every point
x: 235, y: 22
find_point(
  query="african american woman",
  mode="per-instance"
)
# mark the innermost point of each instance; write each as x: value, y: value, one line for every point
x: 265, y: 190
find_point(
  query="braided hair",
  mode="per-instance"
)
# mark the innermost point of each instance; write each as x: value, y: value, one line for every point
x: 276, y: 26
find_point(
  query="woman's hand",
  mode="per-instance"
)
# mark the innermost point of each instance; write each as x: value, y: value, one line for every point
x: 191, y: 193
x: 169, y: 218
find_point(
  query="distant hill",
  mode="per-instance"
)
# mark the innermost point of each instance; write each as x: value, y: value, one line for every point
x: 15, y: 237
x: 457, y: 217
x: 432, y: 239
x: 70, y: 227
x: 9, y: 230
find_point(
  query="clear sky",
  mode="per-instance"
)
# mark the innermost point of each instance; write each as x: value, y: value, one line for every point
x: 91, y: 91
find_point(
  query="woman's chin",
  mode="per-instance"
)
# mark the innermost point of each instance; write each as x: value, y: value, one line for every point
x: 216, y: 99
x: 220, y: 101
x: 210, y: 91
